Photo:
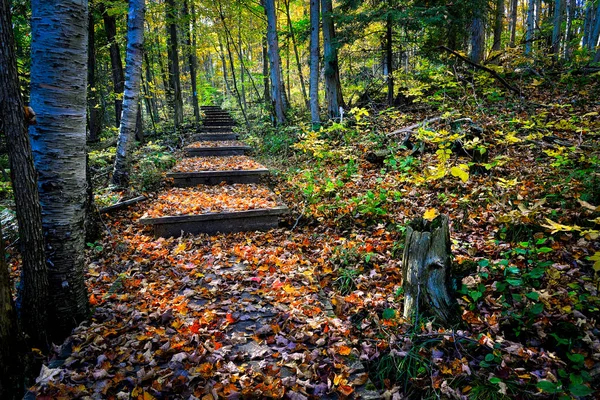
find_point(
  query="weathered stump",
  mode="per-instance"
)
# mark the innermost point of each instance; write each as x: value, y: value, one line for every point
x: 426, y: 270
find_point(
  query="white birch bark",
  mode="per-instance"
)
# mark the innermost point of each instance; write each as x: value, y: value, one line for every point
x: 133, y: 74
x: 58, y: 141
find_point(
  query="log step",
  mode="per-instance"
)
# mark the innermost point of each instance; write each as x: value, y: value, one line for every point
x: 212, y: 223
x: 210, y: 137
x: 217, y: 151
x: 187, y: 179
x: 215, y: 129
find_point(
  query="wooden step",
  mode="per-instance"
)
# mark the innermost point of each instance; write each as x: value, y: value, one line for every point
x: 212, y: 223
x: 218, y: 122
x: 215, y: 129
x: 209, y: 137
x: 187, y: 179
x: 217, y: 151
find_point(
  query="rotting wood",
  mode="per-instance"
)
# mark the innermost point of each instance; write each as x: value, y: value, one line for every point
x: 426, y: 267
x: 122, y: 204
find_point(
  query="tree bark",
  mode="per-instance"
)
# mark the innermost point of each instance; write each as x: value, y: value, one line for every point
x: 296, y: 55
x: 58, y: 141
x: 265, y: 64
x: 426, y: 270
x: 498, y: 25
x: 314, y: 63
x: 556, y: 28
x: 595, y: 33
x: 110, y: 26
x: 192, y: 61
x: 477, y: 39
x: 277, y: 89
x: 135, y: 47
x: 389, y: 56
x: 173, y: 56
x: 94, y: 114
x: 530, y: 27
x: 514, y: 5
x: 333, y: 87
x: 568, y: 48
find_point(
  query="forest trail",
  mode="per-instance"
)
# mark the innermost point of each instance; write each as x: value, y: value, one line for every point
x: 222, y: 316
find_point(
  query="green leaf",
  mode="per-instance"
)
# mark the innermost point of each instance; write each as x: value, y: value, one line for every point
x: 475, y: 295
x: 537, y: 308
x: 489, y: 358
x: 389, y: 313
x: 544, y: 250
x: 533, y: 296
x: 514, y: 282
x: 495, y: 379
x: 576, y: 357
x: 580, y: 390
x: 548, y: 387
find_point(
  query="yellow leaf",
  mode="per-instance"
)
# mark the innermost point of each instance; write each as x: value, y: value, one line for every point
x: 180, y: 248
x: 462, y: 171
x: 430, y: 214
x: 597, y: 266
x: 556, y: 227
x: 588, y: 206
x: 344, y: 350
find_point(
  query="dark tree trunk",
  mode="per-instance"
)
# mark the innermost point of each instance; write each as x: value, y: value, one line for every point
x: 498, y: 25
x: 477, y: 39
x: 389, y: 57
x: 173, y: 56
x: 139, y: 124
x: 314, y: 63
x: 94, y: 111
x: 110, y: 26
x: 333, y: 87
x: 192, y: 60
x: 426, y: 270
x: 34, y: 287
x: 266, y: 83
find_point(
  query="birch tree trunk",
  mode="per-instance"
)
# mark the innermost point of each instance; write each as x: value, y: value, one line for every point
x: 333, y: 87
x: 314, y: 63
x: 133, y: 74
x: 277, y: 90
x: 514, y: 6
x: 110, y: 26
x: 173, y: 56
x: 556, y: 29
x: 530, y: 26
x: 58, y: 96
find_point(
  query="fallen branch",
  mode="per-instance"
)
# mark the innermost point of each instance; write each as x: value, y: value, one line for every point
x: 411, y: 128
x: 484, y: 68
x: 122, y: 204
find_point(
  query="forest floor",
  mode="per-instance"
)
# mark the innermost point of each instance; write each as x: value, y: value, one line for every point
x: 314, y: 309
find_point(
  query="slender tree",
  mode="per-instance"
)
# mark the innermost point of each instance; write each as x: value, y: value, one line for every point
x: 498, y: 25
x: 110, y: 26
x: 514, y: 6
x: 556, y: 26
x: 277, y: 89
x: 192, y: 61
x: 477, y: 37
x: 389, y: 53
x: 58, y: 96
x: 296, y: 55
x: 94, y: 115
x: 173, y: 55
x: 333, y: 86
x: 530, y: 26
x: 133, y: 75
x: 314, y: 63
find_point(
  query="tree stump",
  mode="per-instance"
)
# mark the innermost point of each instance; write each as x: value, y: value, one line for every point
x: 426, y: 270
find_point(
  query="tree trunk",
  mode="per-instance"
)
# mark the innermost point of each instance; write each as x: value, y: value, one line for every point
x: 514, y: 6
x: 426, y: 270
x: 192, y: 61
x: 135, y: 47
x: 314, y: 63
x: 595, y: 33
x: 297, y: 56
x: 277, y: 90
x: 94, y: 115
x: 333, y: 87
x: 265, y: 63
x: 477, y: 39
x: 11, y: 349
x: 389, y: 56
x: 568, y: 48
x: 556, y: 29
x: 58, y: 96
x: 498, y: 25
x: 110, y: 26
x: 224, y: 66
x: 173, y: 56
x: 530, y: 27
x: 34, y: 278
